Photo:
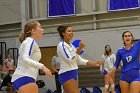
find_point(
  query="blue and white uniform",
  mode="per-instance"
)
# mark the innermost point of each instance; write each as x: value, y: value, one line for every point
x: 108, y: 63
x: 68, y: 61
x: 131, y: 65
x: 28, y: 63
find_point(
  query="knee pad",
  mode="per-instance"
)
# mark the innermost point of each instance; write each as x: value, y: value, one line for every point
x: 107, y: 86
x: 112, y: 85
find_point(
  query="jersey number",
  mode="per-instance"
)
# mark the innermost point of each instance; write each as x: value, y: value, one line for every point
x: 129, y: 58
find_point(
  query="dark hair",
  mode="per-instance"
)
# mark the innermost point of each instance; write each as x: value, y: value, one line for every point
x: 107, y: 52
x: 27, y: 30
x: 124, y: 34
x: 61, y: 29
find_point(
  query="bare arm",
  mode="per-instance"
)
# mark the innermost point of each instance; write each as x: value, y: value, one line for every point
x: 47, y: 71
x: 95, y: 64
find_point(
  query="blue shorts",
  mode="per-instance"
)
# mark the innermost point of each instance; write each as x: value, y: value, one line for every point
x: 22, y: 81
x: 130, y: 76
x: 105, y: 72
x: 63, y: 77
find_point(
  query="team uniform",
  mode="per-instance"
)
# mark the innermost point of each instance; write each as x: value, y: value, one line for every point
x: 28, y: 63
x: 69, y: 61
x: 108, y: 63
x: 131, y: 66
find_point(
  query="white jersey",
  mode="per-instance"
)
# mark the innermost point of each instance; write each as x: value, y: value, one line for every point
x: 68, y: 57
x: 28, y: 60
x: 108, y: 62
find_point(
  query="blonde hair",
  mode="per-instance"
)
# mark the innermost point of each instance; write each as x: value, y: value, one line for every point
x: 28, y: 30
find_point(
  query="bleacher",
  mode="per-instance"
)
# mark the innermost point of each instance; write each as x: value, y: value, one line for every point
x: 91, y: 76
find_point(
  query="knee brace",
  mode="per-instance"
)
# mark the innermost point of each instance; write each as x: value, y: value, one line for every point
x: 107, y: 86
x: 112, y: 85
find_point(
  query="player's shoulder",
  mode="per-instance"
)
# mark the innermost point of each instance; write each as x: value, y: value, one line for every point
x: 59, y: 46
x: 28, y: 40
x: 120, y: 49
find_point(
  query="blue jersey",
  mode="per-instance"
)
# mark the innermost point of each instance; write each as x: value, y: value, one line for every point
x: 130, y: 58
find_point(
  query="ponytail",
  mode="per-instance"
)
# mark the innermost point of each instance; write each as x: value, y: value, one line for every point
x: 22, y: 37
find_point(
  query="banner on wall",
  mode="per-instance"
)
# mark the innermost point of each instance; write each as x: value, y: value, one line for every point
x: 58, y: 8
x: 117, y: 5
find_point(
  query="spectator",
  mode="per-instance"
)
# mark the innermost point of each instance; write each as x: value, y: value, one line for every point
x: 8, y: 64
x: 7, y: 82
x: 56, y: 66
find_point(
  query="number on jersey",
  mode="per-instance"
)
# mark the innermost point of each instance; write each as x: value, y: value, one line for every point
x: 129, y: 58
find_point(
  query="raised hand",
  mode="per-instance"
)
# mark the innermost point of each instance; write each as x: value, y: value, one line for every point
x: 81, y: 45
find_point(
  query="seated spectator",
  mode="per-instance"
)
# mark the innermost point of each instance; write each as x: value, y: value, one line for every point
x: 9, y: 62
x: 7, y: 65
x: 7, y: 82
